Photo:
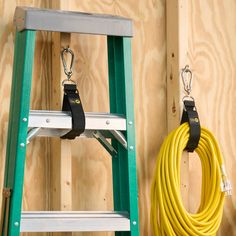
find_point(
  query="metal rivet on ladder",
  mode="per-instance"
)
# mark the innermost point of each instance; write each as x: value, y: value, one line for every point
x: 134, y: 222
x: 131, y: 147
x: 24, y: 119
x: 16, y: 224
x: 22, y: 144
x: 107, y: 122
x: 130, y: 122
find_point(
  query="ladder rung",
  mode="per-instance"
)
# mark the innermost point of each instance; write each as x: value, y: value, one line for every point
x: 57, y: 123
x: 71, y: 22
x: 74, y: 221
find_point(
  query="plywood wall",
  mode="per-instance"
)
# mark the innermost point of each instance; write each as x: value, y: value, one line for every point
x: 212, y: 53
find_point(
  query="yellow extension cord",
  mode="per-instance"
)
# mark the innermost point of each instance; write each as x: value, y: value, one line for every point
x: 168, y: 215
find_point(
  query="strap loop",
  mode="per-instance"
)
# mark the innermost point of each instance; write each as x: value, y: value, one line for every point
x: 190, y: 115
x: 72, y: 103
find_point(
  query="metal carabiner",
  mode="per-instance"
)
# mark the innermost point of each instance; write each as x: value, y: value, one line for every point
x: 187, y: 78
x: 68, y: 71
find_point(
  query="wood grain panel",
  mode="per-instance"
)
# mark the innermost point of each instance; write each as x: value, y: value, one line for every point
x: 60, y: 149
x: 6, y: 44
x: 37, y: 170
x: 212, y: 51
x: 149, y: 63
x: 177, y: 59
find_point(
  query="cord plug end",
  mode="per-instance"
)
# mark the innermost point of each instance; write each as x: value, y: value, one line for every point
x: 226, y: 187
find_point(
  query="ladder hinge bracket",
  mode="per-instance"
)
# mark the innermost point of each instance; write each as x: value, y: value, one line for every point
x: 6, y: 193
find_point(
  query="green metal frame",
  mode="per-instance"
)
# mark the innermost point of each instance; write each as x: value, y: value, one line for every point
x: 121, y: 102
x: 18, y: 125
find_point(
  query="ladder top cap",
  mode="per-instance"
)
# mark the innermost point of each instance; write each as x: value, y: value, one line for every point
x: 29, y: 18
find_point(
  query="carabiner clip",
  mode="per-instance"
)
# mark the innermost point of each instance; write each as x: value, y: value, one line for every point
x: 187, y: 78
x: 68, y: 71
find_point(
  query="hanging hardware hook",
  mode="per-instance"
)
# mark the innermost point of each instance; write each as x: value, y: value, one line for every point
x: 187, y: 78
x: 67, y: 70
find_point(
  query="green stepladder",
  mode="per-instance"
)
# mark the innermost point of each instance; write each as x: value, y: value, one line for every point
x: 121, y: 102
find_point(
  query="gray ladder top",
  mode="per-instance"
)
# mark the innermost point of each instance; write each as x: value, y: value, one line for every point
x: 28, y: 18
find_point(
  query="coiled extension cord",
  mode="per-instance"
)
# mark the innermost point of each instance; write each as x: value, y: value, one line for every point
x: 168, y: 215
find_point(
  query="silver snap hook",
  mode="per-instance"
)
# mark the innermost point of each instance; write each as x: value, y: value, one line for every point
x: 67, y: 70
x: 187, y: 78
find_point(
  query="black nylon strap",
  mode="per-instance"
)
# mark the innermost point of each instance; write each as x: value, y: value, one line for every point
x: 190, y: 115
x: 72, y: 103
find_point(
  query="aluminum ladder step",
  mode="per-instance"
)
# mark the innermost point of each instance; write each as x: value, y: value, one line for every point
x: 74, y: 221
x: 58, y: 123
x: 71, y: 22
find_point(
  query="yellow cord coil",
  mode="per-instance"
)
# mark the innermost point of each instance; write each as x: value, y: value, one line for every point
x: 168, y: 215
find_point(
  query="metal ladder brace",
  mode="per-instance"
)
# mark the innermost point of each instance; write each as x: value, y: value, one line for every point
x: 24, y: 125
